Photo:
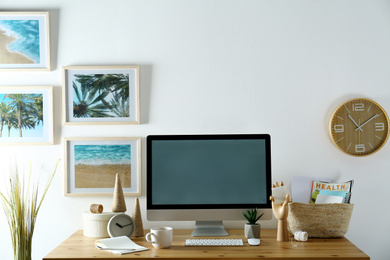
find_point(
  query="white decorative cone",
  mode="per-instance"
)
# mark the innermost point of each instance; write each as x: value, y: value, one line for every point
x: 118, y: 202
x: 139, y: 228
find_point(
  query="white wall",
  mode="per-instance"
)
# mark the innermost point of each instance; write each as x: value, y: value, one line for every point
x: 224, y: 66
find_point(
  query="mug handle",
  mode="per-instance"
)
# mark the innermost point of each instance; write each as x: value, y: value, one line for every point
x: 148, y: 237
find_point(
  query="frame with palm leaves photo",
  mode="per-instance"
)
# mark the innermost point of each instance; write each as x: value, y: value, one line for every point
x: 101, y: 94
x: 26, y: 115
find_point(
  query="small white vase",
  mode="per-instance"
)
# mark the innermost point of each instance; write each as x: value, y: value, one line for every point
x: 252, y: 230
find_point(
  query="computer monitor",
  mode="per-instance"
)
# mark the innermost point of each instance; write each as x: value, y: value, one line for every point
x: 208, y: 179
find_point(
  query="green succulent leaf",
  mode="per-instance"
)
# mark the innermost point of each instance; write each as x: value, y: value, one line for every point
x: 251, y: 216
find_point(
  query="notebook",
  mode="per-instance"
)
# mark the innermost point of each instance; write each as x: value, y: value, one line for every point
x: 119, y: 245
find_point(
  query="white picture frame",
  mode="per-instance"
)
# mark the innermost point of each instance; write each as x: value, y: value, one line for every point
x: 101, y: 95
x: 91, y: 165
x: 26, y: 114
x: 24, y: 41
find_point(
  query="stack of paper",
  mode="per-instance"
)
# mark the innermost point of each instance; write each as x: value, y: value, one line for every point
x: 301, y: 187
x: 279, y: 193
x: 327, y: 196
x: 119, y: 245
x: 320, y: 190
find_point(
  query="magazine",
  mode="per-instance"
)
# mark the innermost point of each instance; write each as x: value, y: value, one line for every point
x: 317, y: 186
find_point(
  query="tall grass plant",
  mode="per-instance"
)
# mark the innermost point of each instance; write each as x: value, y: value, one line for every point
x: 21, y: 204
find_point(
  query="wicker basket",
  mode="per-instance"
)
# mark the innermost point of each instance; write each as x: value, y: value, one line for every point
x: 319, y: 220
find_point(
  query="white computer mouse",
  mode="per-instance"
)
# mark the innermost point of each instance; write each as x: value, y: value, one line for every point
x: 254, y: 241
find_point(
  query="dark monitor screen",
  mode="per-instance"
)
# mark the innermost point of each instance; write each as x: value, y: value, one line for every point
x: 208, y: 171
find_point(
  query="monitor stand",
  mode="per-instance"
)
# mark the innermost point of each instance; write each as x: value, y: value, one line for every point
x: 209, y: 229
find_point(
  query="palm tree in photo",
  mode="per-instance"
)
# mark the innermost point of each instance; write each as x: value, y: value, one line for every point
x: 12, y: 121
x: 5, y: 111
x: 101, y: 83
x: 22, y: 103
x: 120, y: 105
x: 97, y: 91
x: 28, y: 121
x: 38, y: 108
x: 89, y: 104
x: 120, y: 84
x: 85, y: 81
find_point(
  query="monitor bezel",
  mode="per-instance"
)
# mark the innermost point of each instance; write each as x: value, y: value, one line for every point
x: 151, y: 138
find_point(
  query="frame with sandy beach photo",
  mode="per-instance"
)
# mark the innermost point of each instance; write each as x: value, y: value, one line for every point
x: 91, y: 165
x: 97, y: 95
x: 26, y: 115
x: 24, y: 41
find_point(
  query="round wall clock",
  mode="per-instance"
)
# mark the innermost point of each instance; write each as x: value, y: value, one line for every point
x: 359, y: 127
x: 120, y: 225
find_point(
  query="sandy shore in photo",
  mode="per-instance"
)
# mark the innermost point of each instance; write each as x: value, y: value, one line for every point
x: 8, y: 57
x: 102, y: 176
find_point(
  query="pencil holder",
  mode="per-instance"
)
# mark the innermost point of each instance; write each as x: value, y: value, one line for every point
x: 95, y: 225
x: 319, y: 220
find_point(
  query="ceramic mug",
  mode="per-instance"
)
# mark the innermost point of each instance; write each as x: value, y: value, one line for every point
x: 160, y: 237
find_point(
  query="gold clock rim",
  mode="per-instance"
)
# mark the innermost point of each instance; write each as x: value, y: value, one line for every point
x: 356, y: 99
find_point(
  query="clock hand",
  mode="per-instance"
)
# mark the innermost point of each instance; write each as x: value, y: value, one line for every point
x: 358, y: 127
x: 374, y: 116
x: 119, y: 225
x: 122, y: 226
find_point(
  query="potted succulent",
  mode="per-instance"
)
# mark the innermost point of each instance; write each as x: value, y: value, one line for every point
x: 252, y: 229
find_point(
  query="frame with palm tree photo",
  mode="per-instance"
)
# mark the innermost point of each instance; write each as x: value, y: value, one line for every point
x: 101, y: 94
x: 26, y: 115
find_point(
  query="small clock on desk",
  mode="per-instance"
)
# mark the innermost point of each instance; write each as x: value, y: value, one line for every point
x: 120, y: 225
x: 359, y: 127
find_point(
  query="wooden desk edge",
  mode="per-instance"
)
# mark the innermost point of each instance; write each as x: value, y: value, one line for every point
x: 268, y: 249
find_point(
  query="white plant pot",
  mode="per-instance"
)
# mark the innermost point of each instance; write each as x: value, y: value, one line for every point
x: 252, y: 230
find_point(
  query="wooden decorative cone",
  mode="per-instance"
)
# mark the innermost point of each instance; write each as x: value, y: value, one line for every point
x: 139, y: 229
x: 118, y: 202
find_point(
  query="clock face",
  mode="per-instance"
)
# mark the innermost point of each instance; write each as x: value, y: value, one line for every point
x: 120, y: 225
x: 359, y: 127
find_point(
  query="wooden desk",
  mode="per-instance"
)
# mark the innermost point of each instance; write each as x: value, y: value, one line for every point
x: 79, y: 247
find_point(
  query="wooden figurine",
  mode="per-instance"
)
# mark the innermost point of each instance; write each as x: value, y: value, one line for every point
x: 118, y: 202
x: 139, y: 229
x: 281, y: 212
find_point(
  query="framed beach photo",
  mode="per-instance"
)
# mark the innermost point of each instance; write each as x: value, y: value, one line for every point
x: 26, y: 115
x: 91, y: 166
x: 24, y: 41
x: 101, y: 95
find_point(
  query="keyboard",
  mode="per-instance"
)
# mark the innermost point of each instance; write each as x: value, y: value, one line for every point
x: 214, y: 242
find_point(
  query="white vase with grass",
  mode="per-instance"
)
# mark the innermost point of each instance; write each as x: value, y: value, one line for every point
x: 21, y: 205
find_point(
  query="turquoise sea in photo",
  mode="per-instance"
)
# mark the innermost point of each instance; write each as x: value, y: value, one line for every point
x: 26, y: 34
x: 102, y: 154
